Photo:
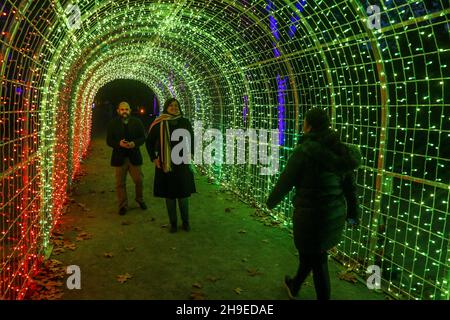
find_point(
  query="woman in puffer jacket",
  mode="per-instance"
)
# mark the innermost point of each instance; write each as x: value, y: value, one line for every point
x: 322, y: 170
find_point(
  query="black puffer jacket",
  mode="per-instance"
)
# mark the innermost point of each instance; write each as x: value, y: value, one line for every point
x: 322, y: 171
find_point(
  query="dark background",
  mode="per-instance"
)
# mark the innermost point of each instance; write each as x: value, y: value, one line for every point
x: 140, y: 97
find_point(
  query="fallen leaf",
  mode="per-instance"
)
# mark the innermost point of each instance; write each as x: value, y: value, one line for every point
x: 348, y: 276
x: 253, y: 272
x: 58, y: 233
x: 54, y: 284
x: 258, y: 213
x: 47, y: 284
x: 238, y: 290
x: 58, y: 242
x: 197, y: 296
x: 212, y: 279
x: 58, y: 251
x: 130, y: 249
x: 197, y: 285
x: 70, y: 246
x: 55, y: 262
x: 122, y: 278
x: 83, y: 206
x: 108, y: 254
x: 55, y: 296
x: 40, y: 283
x: 83, y: 236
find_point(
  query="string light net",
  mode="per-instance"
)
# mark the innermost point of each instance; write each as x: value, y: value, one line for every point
x: 382, y: 75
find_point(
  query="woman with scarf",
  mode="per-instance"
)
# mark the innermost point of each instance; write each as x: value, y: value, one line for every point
x: 172, y: 181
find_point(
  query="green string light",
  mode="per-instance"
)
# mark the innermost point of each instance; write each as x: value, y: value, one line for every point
x: 239, y: 64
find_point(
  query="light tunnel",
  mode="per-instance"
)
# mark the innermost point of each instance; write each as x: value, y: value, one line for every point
x: 239, y: 64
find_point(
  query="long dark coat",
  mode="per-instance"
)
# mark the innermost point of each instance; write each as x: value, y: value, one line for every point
x: 322, y: 173
x: 178, y: 183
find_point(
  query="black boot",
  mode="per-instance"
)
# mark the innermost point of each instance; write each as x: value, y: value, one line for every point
x: 183, y: 205
x: 171, y: 205
x: 173, y: 228
x: 186, y: 226
x: 291, y: 287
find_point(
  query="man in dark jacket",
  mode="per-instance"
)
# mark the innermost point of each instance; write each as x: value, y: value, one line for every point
x: 321, y: 169
x: 125, y: 135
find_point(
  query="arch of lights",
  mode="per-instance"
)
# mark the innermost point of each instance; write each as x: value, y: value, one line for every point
x: 239, y: 64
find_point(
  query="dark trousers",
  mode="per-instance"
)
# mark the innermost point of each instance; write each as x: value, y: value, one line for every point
x: 318, y: 264
x: 183, y: 205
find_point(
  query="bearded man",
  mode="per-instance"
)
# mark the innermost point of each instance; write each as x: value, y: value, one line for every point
x: 125, y: 135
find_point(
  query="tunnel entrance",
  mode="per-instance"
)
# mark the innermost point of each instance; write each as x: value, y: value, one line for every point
x: 380, y: 70
x: 143, y: 101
